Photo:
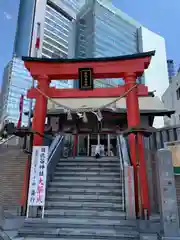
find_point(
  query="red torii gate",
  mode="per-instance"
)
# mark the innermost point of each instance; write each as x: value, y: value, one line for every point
x: 127, y: 67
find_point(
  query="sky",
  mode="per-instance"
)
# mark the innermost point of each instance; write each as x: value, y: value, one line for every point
x: 8, y: 22
x: 160, y: 16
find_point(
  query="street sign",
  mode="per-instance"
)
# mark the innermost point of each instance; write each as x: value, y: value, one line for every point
x: 86, y: 79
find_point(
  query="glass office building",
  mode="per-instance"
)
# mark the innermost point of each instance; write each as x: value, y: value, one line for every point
x: 41, y: 11
x: 56, y: 18
x: 104, y: 31
x: 8, y: 20
x: 57, y: 32
x: 73, y: 5
x: 18, y: 80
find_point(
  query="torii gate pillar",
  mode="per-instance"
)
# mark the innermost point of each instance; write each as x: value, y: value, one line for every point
x: 40, y: 110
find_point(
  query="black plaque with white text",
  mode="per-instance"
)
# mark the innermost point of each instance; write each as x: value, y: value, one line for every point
x: 86, y: 79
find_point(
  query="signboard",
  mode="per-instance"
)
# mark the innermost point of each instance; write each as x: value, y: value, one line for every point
x: 38, y: 174
x: 86, y: 79
x: 93, y: 149
x: 174, y: 147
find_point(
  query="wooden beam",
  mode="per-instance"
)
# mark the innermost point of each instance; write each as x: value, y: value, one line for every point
x: 96, y: 93
x: 101, y: 69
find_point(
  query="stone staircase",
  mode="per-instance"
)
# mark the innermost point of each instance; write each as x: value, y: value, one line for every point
x: 84, y: 201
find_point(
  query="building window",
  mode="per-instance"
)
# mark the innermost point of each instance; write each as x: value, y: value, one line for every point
x: 82, y: 21
x: 178, y: 93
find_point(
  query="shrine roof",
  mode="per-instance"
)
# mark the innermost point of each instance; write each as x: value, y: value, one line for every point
x: 102, y: 59
x: 150, y: 105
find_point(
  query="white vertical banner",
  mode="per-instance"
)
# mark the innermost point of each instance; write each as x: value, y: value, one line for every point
x: 38, y: 175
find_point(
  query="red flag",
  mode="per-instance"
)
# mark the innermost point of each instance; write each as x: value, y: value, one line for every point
x: 20, y: 111
x: 37, y: 44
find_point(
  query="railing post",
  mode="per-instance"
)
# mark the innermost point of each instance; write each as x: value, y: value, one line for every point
x: 128, y: 181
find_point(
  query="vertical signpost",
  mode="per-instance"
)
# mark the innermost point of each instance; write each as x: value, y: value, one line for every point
x: 38, y: 175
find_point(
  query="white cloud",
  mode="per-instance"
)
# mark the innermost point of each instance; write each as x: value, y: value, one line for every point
x: 8, y: 16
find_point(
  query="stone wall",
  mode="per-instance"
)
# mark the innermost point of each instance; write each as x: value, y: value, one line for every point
x: 152, y: 176
x: 12, y: 166
x: 151, y: 161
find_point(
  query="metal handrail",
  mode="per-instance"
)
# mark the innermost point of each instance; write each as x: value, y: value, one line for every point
x: 7, y: 139
x: 58, y: 142
x: 53, y: 144
x: 125, y: 151
x: 121, y: 159
x: 51, y: 166
x: 124, y: 161
x: 128, y: 178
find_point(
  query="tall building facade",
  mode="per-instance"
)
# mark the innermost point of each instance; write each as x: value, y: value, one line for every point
x: 16, y: 82
x: 50, y: 23
x: 8, y: 18
x: 171, y: 69
x: 156, y: 76
x: 24, y: 29
x: 34, y: 12
x: 102, y: 30
x: 171, y: 100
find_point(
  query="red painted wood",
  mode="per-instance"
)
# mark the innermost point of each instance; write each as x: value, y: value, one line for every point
x: 143, y: 175
x: 40, y: 110
x: 96, y: 93
x: 101, y: 69
x: 133, y: 118
x: 75, y: 145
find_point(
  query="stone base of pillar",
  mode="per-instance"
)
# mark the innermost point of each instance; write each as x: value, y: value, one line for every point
x: 168, y: 200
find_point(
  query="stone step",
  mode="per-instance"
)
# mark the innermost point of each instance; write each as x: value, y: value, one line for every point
x: 69, y: 197
x: 88, y: 158
x: 81, y: 204
x: 92, y: 164
x: 86, y: 178
x: 86, y: 184
x: 82, y: 233
x: 80, y: 208
x: 91, y: 223
x: 85, y: 191
x: 87, y: 169
x: 84, y: 213
x: 90, y: 161
x: 75, y: 238
x: 88, y: 174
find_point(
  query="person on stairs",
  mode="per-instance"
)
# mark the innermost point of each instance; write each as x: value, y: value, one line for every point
x: 97, y: 151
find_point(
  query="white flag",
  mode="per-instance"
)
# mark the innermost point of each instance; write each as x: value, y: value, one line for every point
x: 85, y: 120
x: 79, y: 115
x: 98, y: 115
x: 69, y: 116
